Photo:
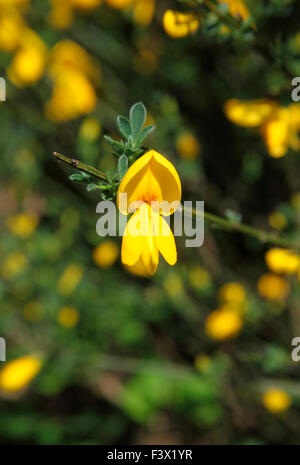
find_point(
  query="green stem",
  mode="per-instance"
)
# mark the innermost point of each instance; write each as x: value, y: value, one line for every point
x: 259, y: 234
x: 214, y: 220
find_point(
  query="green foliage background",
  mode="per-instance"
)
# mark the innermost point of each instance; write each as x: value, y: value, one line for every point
x: 126, y: 373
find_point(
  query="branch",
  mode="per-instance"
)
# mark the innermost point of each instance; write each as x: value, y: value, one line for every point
x: 214, y: 220
x: 79, y: 165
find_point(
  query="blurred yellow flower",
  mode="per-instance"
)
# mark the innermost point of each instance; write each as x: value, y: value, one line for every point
x: 18, y: 373
x: 19, y: 4
x: 179, y: 25
x: 11, y: 25
x: 273, y: 287
x: 90, y: 129
x: 187, y: 146
x: 202, y: 362
x: 73, y: 96
x: 22, y: 225
x: 237, y: 8
x: 14, y: 264
x: 279, y: 126
x: 71, y: 69
x: 282, y: 260
x: 29, y: 62
x: 173, y: 285
x: 277, y: 221
x: 67, y: 55
x: 119, y: 4
x: 62, y: 12
x: 199, y: 278
x: 145, y: 61
x: 152, y: 178
x: 276, y: 400
x: 223, y: 323
x: 61, y: 15
x: 70, y: 279
x: 233, y: 295
x: 33, y: 311
x: 105, y: 254
x: 251, y: 113
x: 143, y: 11
x: 68, y: 317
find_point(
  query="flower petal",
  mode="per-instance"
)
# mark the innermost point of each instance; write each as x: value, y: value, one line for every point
x: 164, y: 238
x: 151, y: 178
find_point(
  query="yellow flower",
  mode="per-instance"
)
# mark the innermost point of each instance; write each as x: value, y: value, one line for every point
x: 19, y: 4
x: 18, y: 373
x: 223, y: 323
x: 143, y: 11
x: 277, y: 221
x: 282, y: 261
x: 188, y: 146
x: 273, y: 287
x: 105, y: 254
x: 199, y: 278
x: 276, y: 135
x: 119, y: 4
x: 22, y: 225
x: 62, y: 12
x: 179, y: 25
x: 276, y: 400
x: 70, y: 279
x: 14, y: 264
x: 33, y: 311
x: 279, y: 126
x: 73, y: 96
x: 29, y: 62
x: 249, y: 114
x: 67, y: 55
x: 11, y: 25
x: 90, y: 129
x: 61, y: 15
x: 233, y: 295
x: 152, y: 178
x: 68, y: 317
x: 237, y: 8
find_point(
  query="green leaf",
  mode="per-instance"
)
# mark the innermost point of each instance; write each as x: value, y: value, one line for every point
x: 137, y: 118
x: 122, y: 166
x: 117, y: 147
x: 85, y: 175
x: 145, y: 133
x: 91, y: 187
x: 124, y: 126
x: 77, y: 177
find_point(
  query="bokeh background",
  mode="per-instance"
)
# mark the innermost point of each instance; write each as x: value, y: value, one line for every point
x: 201, y: 352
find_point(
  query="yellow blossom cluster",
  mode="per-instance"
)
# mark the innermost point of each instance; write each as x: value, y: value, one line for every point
x: 68, y: 65
x: 181, y: 24
x: 278, y: 125
x: 280, y: 261
x: 227, y: 321
x: 30, y: 52
x: 72, y: 71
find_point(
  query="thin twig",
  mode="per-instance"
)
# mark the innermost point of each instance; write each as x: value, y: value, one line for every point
x: 79, y: 165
